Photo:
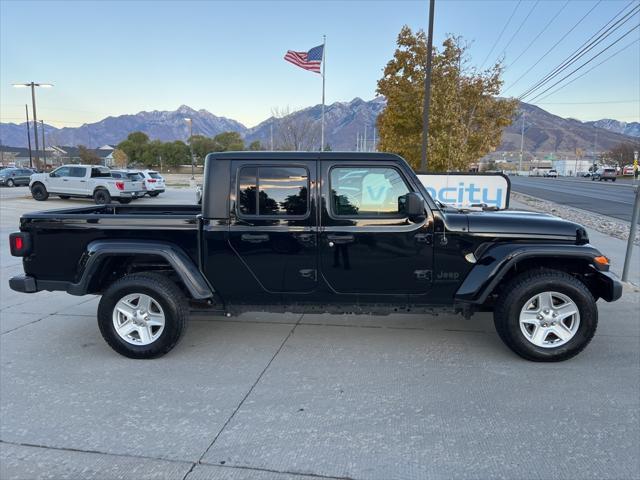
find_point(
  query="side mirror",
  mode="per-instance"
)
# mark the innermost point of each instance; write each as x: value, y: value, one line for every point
x: 413, y: 205
x: 52, y: 174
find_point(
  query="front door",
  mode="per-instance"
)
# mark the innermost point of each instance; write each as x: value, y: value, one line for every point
x: 273, y: 226
x: 367, y: 245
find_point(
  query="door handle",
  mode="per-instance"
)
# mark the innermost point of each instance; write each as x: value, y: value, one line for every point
x: 65, y: 179
x: 254, y: 238
x: 305, y: 237
x: 423, y: 238
x: 340, y: 239
x: 83, y: 181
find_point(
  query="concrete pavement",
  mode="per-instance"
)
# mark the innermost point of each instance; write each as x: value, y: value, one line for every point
x: 284, y: 397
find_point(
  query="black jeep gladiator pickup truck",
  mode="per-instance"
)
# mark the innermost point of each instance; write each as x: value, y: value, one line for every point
x: 317, y: 232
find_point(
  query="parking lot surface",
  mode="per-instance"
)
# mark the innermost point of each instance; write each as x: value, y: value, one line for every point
x: 271, y: 396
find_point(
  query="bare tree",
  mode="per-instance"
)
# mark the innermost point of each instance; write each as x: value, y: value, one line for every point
x: 295, y: 130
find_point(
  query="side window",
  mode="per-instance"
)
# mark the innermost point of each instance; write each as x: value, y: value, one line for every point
x: 77, y: 172
x: 100, y: 172
x: 116, y: 174
x: 273, y: 191
x: 62, y: 171
x: 367, y: 192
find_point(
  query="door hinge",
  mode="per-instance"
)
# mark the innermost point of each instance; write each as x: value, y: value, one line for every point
x: 309, y: 273
x: 422, y: 274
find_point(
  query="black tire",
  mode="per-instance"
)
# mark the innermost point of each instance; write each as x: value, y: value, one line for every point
x: 522, y: 288
x: 123, y: 201
x: 64, y: 197
x: 101, y: 196
x: 154, y: 194
x: 39, y: 192
x: 163, y: 291
x: 593, y: 179
x: 11, y: 183
x: 613, y: 179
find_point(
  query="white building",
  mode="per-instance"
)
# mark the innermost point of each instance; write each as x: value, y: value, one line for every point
x: 571, y: 168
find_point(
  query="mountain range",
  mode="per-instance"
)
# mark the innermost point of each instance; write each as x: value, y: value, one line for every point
x: 344, y: 122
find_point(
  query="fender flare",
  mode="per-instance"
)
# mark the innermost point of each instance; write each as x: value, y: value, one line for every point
x: 496, y: 261
x: 99, y: 250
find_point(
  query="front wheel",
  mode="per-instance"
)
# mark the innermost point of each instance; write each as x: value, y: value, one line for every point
x: 124, y: 201
x: 546, y: 315
x: 143, y: 315
x: 10, y: 183
x: 39, y: 192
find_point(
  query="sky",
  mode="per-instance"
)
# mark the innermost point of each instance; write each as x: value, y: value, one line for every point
x: 120, y: 57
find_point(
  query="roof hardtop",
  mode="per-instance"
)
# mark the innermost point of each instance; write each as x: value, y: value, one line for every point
x: 288, y: 155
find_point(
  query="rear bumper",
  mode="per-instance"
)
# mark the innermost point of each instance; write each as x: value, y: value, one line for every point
x: 23, y: 283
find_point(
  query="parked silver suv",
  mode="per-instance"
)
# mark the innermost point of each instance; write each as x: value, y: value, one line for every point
x: 604, y: 174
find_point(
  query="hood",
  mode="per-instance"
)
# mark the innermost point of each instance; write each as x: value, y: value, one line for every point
x: 513, y: 223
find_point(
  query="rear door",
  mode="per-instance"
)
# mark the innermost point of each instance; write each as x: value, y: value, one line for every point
x: 367, y: 244
x: 273, y: 225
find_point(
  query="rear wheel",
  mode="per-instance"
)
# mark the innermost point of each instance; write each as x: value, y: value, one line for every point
x: 546, y: 316
x: 154, y: 194
x: 39, y: 192
x: 101, y: 197
x: 143, y: 315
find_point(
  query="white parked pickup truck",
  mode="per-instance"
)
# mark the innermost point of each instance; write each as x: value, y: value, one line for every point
x: 88, y: 181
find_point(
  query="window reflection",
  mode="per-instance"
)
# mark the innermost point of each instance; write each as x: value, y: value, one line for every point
x: 280, y: 191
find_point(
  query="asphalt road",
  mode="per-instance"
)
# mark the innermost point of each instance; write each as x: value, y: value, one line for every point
x: 302, y: 397
x: 606, y: 198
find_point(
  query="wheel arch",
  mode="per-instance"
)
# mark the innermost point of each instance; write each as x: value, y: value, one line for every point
x: 503, y: 262
x: 107, y: 260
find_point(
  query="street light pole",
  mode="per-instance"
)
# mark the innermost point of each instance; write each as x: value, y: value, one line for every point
x: 33, y: 86
x: 427, y: 90
x: 26, y: 109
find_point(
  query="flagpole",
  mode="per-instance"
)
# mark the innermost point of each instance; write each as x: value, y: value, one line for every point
x: 324, y: 49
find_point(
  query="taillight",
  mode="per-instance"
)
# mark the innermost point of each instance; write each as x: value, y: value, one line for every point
x: 20, y: 244
x: 120, y: 185
x: 151, y: 180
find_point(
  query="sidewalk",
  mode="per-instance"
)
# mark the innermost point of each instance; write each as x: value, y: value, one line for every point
x: 613, y: 248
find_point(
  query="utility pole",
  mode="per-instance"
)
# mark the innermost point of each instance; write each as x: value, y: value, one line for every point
x: 427, y: 90
x: 33, y: 86
x: 44, y: 153
x: 193, y: 177
x: 271, y: 135
x: 522, y: 141
x: 26, y: 109
x: 365, y: 137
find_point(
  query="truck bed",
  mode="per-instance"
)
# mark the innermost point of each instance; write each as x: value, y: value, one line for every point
x: 60, y: 237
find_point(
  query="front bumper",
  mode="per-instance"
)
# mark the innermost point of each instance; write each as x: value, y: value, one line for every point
x: 608, y: 285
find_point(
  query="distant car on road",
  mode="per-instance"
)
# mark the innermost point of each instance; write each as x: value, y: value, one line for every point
x: 627, y: 170
x: 12, y: 177
x: 551, y: 173
x: 604, y: 174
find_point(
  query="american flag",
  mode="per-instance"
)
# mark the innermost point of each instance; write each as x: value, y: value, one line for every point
x: 310, y: 60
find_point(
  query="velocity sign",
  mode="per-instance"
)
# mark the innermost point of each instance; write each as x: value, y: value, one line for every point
x: 467, y: 190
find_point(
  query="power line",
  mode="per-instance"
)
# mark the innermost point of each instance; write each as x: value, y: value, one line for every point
x: 504, y: 50
x: 585, y: 63
x: 587, y: 46
x: 553, y: 46
x: 540, y: 33
x: 501, y: 33
x: 589, y: 103
x: 592, y: 68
